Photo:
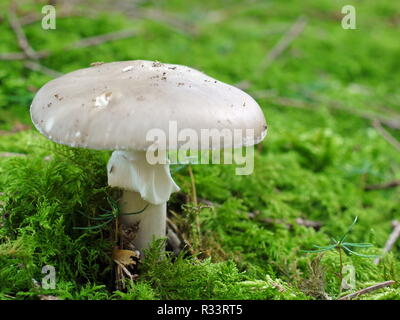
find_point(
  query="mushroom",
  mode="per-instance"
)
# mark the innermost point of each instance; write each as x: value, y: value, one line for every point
x: 114, y: 106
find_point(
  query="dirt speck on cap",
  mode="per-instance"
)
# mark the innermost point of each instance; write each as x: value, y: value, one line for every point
x: 97, y: 63
x: 157, y: 64
x: 103, y: 100
x: 128, y: 68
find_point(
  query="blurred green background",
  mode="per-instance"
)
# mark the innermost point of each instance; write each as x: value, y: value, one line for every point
x: 332, y: 104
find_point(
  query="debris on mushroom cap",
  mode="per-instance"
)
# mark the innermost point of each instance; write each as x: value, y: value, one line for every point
x: 103, y: 100
x: 114, y: 105
x: 128, y: 68
x: 97, y: 63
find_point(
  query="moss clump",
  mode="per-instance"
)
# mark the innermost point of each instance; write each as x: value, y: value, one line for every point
x: 44, y: 198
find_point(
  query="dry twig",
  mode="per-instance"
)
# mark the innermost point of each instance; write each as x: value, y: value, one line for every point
x: 385, y: 134
x: 391, y: 240
x: 380, y: 186
x: 389, y: 121
x: 11, y: 154
x: 130, y: 275
x: 299, y: 221
x: 35, y: 66
x: 82, y: 43
x: 9, y: 56
x: 367, y: 290
x: 17, y: 127
x: 284, y: 43
x: 169, y: 19
x: 31, y: 56
x: 19, y: 32
x: 100, y: 39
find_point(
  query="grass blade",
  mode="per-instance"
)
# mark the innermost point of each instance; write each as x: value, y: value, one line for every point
x: 360, y: 254
x: 359, y: 245
x: 349, y: 230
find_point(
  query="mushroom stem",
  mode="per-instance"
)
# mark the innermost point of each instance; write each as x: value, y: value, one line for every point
x: 145, y: 186
x: 151, y: 222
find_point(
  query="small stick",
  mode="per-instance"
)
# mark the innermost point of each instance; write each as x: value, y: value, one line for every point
x: 170, y: 20
x: 309, y: 223
x: 295, y: 30
x: 19, y: 32
x: 391, y: 240
x: 17, y: 128
x: 208, y: 203
x: 124, y: 269
x: 386, y: 185
x: 11, y: 154
x: 298, y: 104
x: 96, y: 40
x: 82, y: 43
x: 194, y: 199
x: 299, y: 221
x: 194, y: 193
x: 12, y: 56
x: 385, y: 134
x: 35, y: 66
x: 367, y: 290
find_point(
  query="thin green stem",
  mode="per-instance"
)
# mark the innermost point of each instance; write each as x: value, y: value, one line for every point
x: 341, y: 267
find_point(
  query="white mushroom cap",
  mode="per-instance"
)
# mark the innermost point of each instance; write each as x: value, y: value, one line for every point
x: 114, y: 105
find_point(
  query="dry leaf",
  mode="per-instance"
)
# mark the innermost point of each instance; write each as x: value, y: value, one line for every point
x: 124, y: 256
